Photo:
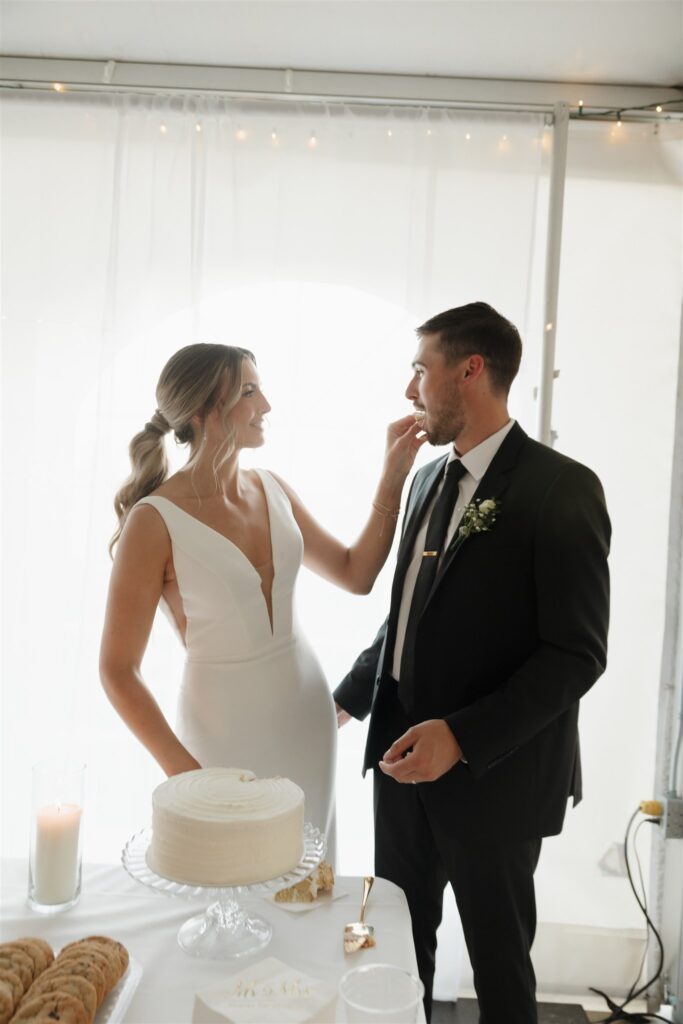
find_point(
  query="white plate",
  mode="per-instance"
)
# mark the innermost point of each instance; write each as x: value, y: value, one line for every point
x: 113, y: 1008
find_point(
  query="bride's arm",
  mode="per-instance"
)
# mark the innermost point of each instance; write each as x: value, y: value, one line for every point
x: 135, y: 588
x: 356, y: 567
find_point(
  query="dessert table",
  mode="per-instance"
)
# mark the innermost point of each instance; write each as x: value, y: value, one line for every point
x: 147, y: 922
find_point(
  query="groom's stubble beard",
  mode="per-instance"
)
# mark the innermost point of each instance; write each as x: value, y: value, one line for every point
x: 448, y: 421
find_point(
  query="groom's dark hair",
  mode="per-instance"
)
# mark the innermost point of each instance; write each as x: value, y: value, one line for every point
x: 478, y: 329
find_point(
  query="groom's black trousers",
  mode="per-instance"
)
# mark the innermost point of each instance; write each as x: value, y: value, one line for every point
x: 494, y: 890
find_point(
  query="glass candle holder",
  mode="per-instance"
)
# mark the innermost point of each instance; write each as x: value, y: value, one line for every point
x: 54, y: 880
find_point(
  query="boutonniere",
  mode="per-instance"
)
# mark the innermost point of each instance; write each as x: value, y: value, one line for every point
x: 478, y: 517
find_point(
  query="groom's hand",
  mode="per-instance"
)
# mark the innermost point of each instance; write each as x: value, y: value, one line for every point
x: 434, y: 752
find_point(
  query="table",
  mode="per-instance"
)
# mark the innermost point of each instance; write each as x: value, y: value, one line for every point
x: 147, y: 922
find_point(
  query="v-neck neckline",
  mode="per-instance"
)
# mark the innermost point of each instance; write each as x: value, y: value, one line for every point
x: 270, y: 616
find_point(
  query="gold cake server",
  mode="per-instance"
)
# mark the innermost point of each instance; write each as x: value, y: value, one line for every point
x: 358, y: 934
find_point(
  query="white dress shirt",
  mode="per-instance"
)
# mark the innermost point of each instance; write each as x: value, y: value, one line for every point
x: 476, y: 462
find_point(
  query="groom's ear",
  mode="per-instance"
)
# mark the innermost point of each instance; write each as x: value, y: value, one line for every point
x: 474, y: 366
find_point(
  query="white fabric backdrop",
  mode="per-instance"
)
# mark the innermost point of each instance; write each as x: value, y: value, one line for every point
x: 319, y: 237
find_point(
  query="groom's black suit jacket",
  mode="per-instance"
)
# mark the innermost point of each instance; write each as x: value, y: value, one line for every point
x: 514, y: 632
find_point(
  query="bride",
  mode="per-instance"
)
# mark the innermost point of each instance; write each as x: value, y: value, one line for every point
x: 220, y: 547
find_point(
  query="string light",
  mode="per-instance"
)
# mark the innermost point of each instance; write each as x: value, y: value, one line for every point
x: 163, y: 129
x: 619, y: 120
x: 58, y: 87
x: 240, y: 134
x: 429, y: 131
x: 658, y: 109
x: 468, y: 136
x: 197, y: 127
x: 312, y: 142
x: 389, y: 132
x: 273, y: 135
x: 548, y: 327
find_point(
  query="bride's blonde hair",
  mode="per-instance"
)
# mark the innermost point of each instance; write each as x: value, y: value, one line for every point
x: 191, y: 384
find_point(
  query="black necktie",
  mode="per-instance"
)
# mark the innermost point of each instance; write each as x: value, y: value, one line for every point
x: 437, y: 531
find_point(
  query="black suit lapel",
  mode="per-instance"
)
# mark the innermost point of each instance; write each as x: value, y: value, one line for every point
x: 492, y: 485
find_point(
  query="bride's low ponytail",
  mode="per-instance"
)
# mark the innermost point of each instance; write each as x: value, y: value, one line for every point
x: 191, y: 384
x: 149, y: 463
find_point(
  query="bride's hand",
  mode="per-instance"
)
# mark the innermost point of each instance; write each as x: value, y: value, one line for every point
x: 403, y: 444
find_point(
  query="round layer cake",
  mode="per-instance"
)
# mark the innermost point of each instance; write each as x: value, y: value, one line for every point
x: 223, y: 826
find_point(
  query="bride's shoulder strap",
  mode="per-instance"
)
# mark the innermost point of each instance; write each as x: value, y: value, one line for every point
x: 274, y: 485
x: 164, y: 507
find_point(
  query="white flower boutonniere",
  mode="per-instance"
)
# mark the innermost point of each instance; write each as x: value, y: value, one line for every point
x: 478, y: 517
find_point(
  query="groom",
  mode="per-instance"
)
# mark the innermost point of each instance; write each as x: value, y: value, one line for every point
x: 497, y: 626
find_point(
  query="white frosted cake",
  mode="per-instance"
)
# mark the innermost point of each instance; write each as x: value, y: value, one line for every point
x: 223, y: 826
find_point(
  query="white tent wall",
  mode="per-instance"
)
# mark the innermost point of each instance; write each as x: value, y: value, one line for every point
x: 136, y: 226
x: 666, y: 876
x: 615, y: 408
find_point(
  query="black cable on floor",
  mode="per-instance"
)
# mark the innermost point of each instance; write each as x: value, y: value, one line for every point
x: 618, y: 1011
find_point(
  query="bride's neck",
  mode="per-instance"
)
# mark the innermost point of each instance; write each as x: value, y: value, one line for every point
x: 225, y: 483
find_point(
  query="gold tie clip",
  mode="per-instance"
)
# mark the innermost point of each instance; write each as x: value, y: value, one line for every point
x: 429, y: 554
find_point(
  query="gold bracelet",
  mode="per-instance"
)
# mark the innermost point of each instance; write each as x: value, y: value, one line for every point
x: 385, y: 513
x: 390, y: 513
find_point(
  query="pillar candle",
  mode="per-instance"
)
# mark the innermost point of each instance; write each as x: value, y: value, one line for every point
x: 56, y: 854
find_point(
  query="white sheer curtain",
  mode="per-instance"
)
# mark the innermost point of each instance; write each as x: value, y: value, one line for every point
x: 319, y: 237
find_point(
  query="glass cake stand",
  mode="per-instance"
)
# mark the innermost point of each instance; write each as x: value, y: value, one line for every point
x: 225, y: 930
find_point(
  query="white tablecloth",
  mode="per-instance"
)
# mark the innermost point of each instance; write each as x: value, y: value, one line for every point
x: 114, y: 904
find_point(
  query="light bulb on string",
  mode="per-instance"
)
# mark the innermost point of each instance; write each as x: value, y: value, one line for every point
x: 197, y: 127
x: 389, y: 133
x: 467, y: 136
x: 312, y: 142
x: 580, y: 107
x: 163, y: 129
x: 240, y: 134
x: 58, y: 87
x: 658, y: 109
x: 619, y: 120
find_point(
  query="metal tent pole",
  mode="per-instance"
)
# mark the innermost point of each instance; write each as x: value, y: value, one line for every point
x: 558, y: 170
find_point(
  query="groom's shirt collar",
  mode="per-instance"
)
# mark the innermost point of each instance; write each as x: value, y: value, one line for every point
x: 478, y: 459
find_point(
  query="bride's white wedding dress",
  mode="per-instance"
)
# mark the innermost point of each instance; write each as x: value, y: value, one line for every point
x: 253, y: 696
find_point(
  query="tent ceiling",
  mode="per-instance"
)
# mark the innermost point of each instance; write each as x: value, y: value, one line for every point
x: 637, y: 42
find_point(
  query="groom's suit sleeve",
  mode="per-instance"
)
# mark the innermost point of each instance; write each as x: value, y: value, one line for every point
x: 354, y: 693
x: 572, y: 607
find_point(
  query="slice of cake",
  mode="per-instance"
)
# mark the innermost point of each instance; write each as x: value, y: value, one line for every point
x: 308, y: 889
x: 224, y: 827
